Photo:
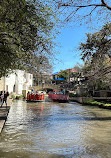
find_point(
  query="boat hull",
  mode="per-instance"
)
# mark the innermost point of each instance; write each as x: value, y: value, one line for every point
x: 61, y: 98
x: 60, y: 101
x: 35, y: 100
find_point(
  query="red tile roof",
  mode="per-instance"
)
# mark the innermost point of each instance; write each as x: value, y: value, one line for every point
x: 72, y: 70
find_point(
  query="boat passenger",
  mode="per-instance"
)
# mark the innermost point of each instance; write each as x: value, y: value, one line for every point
x: 54, y: 92
x: 59, y: 92
x: 63, y: 91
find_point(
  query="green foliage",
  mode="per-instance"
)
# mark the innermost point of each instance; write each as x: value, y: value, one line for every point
x: 12, y: 96
x: 19, y: 97
x: 96, y: 53
x: 108, y: 105
x: 93, y: 102
x: 100, y: 104
x: 97, y: 44
x: 26, y: 29
x: 64, y: 74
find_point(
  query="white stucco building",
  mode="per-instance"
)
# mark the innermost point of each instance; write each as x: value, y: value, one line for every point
x: 16, y: 82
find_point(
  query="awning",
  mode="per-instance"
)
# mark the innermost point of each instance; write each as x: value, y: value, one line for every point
x: 59, y: 79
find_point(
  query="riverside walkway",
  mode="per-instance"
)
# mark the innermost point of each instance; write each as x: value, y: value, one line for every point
x: 4, y: 113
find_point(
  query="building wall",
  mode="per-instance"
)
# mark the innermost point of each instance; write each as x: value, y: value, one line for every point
x: 19, y: 81
x: 16, y: 82
x: 2, y: 84
x: 10, y: 82
x: 23, y: 81
x: 29, y: 80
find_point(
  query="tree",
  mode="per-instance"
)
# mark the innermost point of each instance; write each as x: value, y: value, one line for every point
x: 96, y: 53
x: 64, y: 74
x: 97, y: 49
x: 25, y: 30
x: 90, y: 10
x: 40, y: 67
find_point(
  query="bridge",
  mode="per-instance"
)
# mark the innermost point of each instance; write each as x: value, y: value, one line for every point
x: 46, y: 87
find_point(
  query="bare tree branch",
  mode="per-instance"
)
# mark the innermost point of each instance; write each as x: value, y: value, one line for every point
x: 71, y: 14
x: 90, y: 12
x: 103, y: 4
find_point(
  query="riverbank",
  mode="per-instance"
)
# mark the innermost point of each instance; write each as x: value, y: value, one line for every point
x: 4, y: 113
x: 92, y: 101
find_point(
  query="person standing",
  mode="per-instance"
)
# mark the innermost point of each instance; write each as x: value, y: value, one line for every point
x: 63, y: 91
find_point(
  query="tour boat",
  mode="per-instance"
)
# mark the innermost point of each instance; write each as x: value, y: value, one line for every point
x: 35, y: 98
x: 59, y: 97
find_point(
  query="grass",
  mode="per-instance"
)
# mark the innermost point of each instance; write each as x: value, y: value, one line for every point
x: 96, y: 103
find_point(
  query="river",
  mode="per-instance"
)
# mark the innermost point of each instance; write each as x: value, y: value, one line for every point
x: 56, y: 130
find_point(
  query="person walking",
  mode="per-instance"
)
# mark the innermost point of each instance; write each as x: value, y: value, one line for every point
x: 6, y: 94
x: 1, y: 98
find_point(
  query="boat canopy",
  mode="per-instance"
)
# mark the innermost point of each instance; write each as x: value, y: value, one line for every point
x: 59, y: 79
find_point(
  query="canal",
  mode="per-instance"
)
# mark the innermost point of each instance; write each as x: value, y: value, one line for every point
x: 56, y: 130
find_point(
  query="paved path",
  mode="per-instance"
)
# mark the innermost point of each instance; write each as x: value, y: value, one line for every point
x: 4, y: 113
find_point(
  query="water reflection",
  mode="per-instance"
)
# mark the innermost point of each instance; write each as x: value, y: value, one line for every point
x: 56, y: 130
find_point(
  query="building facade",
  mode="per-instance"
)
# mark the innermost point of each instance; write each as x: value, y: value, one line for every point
x: 16, y: 82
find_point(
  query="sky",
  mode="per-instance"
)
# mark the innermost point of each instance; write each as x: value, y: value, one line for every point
x: 72, y: 35
x: 68, y: 42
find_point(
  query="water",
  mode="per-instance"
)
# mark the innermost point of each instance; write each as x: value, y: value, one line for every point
x: 56, y: 130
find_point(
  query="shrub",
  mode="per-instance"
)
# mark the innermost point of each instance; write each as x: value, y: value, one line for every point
x: 12, y: 96
x: 102, y: 105
x: 18, y: 97
x: 108, y: 105
x: 93, y: 102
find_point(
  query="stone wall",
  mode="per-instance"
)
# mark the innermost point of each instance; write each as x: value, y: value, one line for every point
x: 80, y: 99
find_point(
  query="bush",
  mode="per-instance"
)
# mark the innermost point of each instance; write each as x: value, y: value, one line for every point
x: 93, y: 102
x: 107, y: 105
x: 18, y: 97
x: 12, y: 96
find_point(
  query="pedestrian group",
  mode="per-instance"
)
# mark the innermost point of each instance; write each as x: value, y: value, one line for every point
x: 3, y: 97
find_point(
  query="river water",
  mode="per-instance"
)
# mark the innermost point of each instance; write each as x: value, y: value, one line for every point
x: 56, y: 130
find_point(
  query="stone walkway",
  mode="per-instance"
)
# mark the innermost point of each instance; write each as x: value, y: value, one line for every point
x: 4, y: 113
